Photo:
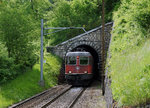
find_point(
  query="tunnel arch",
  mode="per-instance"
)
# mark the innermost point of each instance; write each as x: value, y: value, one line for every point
x: 91, y: 39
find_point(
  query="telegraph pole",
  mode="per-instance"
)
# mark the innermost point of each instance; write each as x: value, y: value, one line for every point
x: 41, y: 78
x: 103, y: 47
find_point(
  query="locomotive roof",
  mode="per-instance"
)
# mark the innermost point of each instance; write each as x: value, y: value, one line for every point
x: 78, y: 54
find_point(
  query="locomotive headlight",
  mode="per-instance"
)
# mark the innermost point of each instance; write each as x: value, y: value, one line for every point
x: 85, y: 71
x: 69, y: 71
x: 77, y: 68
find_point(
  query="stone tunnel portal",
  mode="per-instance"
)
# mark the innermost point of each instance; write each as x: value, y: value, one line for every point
x: 95, y: 57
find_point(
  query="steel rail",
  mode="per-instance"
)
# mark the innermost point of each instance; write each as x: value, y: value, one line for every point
x: 33, y: 97
x: 76, y: 98
x: 56, y: 97
x: 29, y: 99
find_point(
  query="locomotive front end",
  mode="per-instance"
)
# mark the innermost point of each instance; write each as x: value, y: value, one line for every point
x: 78, y: 68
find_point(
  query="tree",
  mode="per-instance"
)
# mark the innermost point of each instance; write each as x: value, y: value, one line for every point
x: 76, y: 13
x: 16, y: 34
x: 19, y: 35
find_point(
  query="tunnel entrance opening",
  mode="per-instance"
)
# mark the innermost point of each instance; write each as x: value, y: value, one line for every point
x: 95, y: 57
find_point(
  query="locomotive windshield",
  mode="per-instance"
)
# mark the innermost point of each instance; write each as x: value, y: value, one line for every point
x: 72, y: 60
x: 83, y: 60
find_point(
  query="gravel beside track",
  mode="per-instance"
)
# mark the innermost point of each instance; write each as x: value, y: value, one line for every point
x: 91, y: 98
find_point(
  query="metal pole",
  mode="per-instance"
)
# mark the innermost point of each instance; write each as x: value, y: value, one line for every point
x: 103, y: 48
x: 41, y: 80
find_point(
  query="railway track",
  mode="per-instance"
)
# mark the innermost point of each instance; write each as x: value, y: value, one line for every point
x: 42, y: 98
x: 68, y: 99
x: 76, y: 98
x: 63, y: 96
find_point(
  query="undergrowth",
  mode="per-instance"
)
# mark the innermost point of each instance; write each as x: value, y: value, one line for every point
x: 27, y: 84
x: 131, y: 76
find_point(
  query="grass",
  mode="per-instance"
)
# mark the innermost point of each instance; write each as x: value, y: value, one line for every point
x: 26, y: 84
x: 131, y: 75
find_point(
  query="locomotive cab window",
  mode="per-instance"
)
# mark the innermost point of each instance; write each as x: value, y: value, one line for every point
x: 72, y: 60
x: 83, y: 60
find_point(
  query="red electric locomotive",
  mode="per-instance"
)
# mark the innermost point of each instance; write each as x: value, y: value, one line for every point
x: 79, y: 68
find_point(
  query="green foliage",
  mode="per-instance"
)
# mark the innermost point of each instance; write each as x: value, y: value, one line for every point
x: 39, y: 7
x: 130, y: 75
x: 131, y: 24
x: 18, y: 40
x: 7, y: 67
x: 52, y: 68
x: 26, y: 84
x: 76, y: 13
x: 110, y: 7
x: 130, y: 53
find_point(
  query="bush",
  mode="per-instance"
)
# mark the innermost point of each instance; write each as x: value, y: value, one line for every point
x: 7, y: 70
x: 7, y: 66
x: 52, y: 68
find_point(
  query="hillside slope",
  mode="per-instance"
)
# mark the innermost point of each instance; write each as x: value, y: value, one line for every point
x: 130, y: 53
x: 26, y: 84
